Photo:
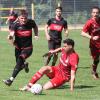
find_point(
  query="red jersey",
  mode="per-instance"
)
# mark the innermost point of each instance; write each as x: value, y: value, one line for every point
x: 67, y: 63
x: 93, y: 28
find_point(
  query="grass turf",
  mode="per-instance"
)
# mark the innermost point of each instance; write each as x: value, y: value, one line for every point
x: 86, y: 88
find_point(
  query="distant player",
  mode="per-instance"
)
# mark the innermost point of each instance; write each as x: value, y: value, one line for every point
x: 21, y: 37
x: 63, y: 72
x: 12, y: 17
x: 91, y: 30
x: 53, y: 32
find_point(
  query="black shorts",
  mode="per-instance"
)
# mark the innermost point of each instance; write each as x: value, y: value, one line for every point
x: 54, y: 44
x: 24, y: 53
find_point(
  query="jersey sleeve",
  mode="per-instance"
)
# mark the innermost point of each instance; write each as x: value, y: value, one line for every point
x: 33, y: 23
x: 65, y: 24
x: 49, y: 22
x: 74, y: 59
x: 87, y: 27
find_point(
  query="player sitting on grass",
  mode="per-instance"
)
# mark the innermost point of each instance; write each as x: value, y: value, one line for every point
x: 63, y: 72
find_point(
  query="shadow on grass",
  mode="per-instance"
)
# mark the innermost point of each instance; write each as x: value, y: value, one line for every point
x: 76, y: 87
x: 16, y: 90
x: 84, y: 67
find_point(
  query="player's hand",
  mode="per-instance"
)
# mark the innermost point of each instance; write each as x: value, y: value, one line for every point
x: 10, y: 37
x: 51, y: 51
x: 6, y: 22
x: 36, y: 37
x: 95, y: 37
x: 48, y: 37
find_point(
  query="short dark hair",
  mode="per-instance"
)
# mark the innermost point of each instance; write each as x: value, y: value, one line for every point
x: 69, y: 42
x: 96, y: 7
x: 60, y: 8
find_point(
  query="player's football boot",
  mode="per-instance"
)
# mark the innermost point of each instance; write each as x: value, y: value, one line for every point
x: 8, y: 82
x: 25, y: 88
x: 95, y: 76
x: 26, y: 67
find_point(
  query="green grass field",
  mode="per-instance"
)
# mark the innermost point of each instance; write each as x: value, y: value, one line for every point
x: 86, y: 88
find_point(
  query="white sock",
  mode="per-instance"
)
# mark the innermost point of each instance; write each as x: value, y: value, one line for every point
x: 11, y: 78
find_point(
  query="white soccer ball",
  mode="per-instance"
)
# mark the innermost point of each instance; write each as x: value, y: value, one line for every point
x: 36, y: 89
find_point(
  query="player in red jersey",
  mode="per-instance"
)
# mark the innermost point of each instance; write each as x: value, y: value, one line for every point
x: 91, y: 30
x: 12, y: 17
x: 21, y: 37
x: 53, y: 32
x: 63, y: 72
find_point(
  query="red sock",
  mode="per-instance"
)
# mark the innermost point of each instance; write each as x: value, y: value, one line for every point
x: 36, y: 77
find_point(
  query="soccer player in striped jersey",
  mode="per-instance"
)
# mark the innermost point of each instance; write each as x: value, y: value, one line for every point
x: 21, y: 37
x: 53, y: 32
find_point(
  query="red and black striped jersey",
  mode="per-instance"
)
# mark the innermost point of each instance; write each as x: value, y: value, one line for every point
x: 23, y: 33
x: 56, y: 26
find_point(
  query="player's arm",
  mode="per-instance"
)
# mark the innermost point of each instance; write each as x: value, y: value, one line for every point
x: 7, y: 20
x: 46, y: 32
x: 66, y: 32
x: 56, y: 50
x: 84, y: 34
x: 65, y: 29
x: 72, y: 81
x: 74, y: 59
x: 36, y: 32
x: 11, y: 37
x: 86, y: 29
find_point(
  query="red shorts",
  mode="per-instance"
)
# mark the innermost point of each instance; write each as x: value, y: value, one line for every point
x: 56, y: 77
x: 95, y: 53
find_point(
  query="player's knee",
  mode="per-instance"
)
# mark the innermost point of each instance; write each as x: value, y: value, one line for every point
x: 47, y: 86
x: 44, y: 69
x: 20, y: 61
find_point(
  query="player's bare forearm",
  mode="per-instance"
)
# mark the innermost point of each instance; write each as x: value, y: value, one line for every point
x: 72, y: 81
x: 85, y: 35
x: 55, y: 51
x: 46, y: 32
x: 89, y: 36
x: 66, y: 32
x: 11, y: 41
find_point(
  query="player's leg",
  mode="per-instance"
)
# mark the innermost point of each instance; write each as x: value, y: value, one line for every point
x: 57, y: 44
x: 56, y: 81
x: 36, y: 77
x: 95, y: 56
x: 17, y: 53
x: 51, y: 47
x: 19, y: 66
x: 25, y: 54
x: 48, y: 85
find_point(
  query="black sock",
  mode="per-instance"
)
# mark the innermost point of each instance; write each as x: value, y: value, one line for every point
x: 18, y: 67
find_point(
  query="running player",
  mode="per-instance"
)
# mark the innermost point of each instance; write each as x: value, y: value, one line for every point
x: 21, y: 37
x: 12, y: 17
x: 63, y: 72
x: 53, y: 32
x: 91, y: 30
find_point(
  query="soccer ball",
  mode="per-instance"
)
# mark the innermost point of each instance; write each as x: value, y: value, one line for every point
x: 36, y: 89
